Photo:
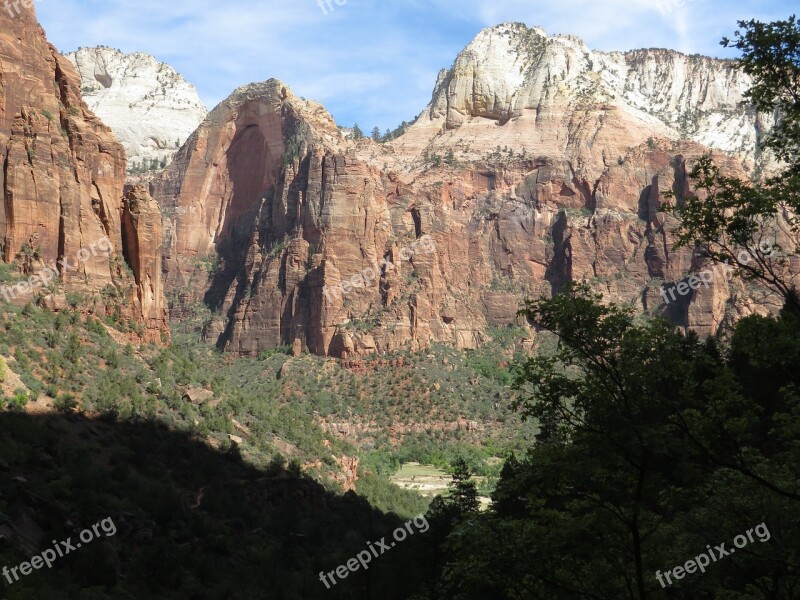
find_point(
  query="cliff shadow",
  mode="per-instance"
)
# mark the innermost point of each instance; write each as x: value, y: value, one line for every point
x: 191, y: 521
x: 250, y: 165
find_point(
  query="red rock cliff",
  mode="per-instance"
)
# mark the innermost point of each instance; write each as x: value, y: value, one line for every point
x: 62, y: 179
x: 533, y: 165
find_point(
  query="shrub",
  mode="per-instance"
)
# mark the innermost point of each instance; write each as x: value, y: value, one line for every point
x: 19, y: 400
x: 73, y: 350
x: 65, y: 402
x: 74, y: 300
x: 265, y: 354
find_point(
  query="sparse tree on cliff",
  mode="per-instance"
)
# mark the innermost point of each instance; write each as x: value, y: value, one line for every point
x: 755, y: 225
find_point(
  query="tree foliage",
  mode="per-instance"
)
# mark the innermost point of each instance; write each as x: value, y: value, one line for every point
x: 653, y: 444
x: 658, y: 444
x: 754, y: 225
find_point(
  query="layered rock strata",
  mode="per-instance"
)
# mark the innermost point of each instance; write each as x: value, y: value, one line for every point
x: 62, y: 182
x: 149, y: 106
x: 537, y: 162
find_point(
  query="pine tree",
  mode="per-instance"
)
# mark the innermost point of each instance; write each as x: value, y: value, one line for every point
x: 464, y: 493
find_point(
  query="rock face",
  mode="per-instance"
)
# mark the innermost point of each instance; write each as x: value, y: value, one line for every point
x: 239, y: 247
x: 537, y: 162
x: 149, y: 106
x: 142, y: 236
x: 515, y: 86
x: 63, y: 178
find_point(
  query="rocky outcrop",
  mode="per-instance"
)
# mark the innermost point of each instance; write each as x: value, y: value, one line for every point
x: 538, y: 162
x: 63, y: 172
x: 516, y: 87
x: 243, y: 246
x: 142, y: 236
x: 149, y: 106
x: 349, y: 471
x: 63, y: 175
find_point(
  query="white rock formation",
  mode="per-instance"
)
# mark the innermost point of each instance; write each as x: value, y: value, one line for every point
x: 150, y: 107
x: 516, y: 86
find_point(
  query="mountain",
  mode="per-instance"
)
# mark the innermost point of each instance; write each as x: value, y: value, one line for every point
x: 232, y: 195
x: 62, y: 186
x: 149, y: 106
x: 551, y: 95
x: 537, y: 162
x: 219, y: 475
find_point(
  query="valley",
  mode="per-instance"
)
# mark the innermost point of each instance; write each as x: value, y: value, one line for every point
x: 296, y: 337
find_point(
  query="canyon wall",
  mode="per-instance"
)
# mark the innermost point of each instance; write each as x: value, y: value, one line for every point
x: 536, y: 163
x: 62, y: 182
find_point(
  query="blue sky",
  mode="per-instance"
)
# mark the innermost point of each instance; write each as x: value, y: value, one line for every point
x: 370, y: 61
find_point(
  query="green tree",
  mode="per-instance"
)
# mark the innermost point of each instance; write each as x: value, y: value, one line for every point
x: 357, y: 133
x: 72, y: 352
x: 659, y: 444
x: 755, y: 225
x: 463, y: 491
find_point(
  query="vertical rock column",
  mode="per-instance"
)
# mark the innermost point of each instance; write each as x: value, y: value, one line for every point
x: 142, y: 235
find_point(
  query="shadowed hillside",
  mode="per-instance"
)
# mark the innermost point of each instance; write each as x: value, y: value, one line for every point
x: 191, y: 522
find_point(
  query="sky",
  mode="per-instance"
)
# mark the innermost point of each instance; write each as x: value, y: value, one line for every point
x: 371, y: 62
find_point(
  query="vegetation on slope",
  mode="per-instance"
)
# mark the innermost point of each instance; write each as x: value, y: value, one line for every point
x: 653, y: 447
x: 657, y: 448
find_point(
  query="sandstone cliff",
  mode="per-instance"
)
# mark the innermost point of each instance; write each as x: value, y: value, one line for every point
x: 537, y: 162
x: 149, y: 106
x: 62, y: 179
x: 142, y: 236
x: 550, y: 95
